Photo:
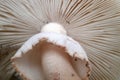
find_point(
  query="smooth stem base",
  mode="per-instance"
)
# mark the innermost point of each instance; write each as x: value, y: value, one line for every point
x: 56, y: 66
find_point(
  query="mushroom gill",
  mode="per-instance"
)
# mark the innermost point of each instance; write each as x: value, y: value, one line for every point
x: 85, y: 34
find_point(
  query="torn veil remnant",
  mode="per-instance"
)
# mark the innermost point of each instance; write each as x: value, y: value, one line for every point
x: 52, y: 53
x: 90, y: 24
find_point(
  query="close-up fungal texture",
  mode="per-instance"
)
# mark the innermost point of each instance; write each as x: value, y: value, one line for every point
x: 59, y: 39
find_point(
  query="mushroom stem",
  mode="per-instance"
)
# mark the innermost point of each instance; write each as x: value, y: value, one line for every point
x: 57, y: 66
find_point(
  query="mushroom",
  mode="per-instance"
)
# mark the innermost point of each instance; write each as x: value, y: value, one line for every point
x: 60, y: 39
x: 52, y: 55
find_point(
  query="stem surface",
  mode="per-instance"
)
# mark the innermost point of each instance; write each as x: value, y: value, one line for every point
x: 57, y: 66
